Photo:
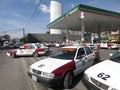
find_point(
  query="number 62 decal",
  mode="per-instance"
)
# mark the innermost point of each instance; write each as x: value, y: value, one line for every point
x: 103, y: 76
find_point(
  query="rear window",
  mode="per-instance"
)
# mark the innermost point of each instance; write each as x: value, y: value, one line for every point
x: 115, y: 57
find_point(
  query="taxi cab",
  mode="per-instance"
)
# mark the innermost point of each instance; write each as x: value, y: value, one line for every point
x: 104, y: 75
x: 61, y: 67
x: 30, y: 49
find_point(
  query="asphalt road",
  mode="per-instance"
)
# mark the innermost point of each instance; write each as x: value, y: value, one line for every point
x: 13, y: 73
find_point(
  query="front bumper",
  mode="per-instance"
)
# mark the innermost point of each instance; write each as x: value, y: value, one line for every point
x: 114, y: 47
x: 8, y: 54
x: 89, y: 85
x: 46, y: 81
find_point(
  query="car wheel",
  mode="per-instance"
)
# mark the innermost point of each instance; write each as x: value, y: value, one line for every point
x: 68, y: 80
x: 13, y: 55
x: 109, y: 48
x: 35, y: 54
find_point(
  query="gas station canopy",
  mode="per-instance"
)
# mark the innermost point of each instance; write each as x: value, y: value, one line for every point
x: 95, y: 19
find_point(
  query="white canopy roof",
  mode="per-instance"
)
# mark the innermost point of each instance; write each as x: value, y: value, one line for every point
x: 95, y: 19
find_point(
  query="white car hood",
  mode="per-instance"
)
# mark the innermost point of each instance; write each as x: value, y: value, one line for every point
x: 49, y: 64
x: 108, y: 68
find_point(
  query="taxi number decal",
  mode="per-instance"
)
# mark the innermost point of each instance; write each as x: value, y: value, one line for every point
x: 103, y: 76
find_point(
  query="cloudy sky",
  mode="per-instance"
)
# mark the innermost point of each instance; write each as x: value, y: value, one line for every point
x: 18, y: 14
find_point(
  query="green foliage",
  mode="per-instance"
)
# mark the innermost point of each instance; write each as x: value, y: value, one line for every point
x: 24, y: 39
x: 48, y: 32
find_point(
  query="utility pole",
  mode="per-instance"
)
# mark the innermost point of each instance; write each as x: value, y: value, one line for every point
x: 24, y: 35
x: 23, y: 32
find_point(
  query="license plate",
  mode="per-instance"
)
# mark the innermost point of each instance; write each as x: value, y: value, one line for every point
x: 34, y: 78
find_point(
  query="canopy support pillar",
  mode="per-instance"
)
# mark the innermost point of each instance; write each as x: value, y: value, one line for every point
x: 67, y: 37
x: 99, y: 31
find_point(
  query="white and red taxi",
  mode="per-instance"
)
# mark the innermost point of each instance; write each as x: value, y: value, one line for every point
x: 28, y: 50
x: 109, y: 45
x: 104, y: 75
x: 62, y: 66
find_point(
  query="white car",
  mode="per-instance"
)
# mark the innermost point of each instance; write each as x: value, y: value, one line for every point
x: 62, y: 66
x: 92, y: 46
x: 28, y: 50
x: 108, y: 45
x: 104, y: 75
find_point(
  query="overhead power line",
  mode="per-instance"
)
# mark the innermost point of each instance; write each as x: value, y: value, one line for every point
x: 44, y: 2
x: 34, y: 13
x: 14, y: 30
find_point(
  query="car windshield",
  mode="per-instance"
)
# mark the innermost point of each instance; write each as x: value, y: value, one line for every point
x: 63, y: 54
x: 115, y: 57
x: 37, y: 45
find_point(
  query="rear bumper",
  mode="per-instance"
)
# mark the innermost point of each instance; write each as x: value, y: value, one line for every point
x: 46, y: 81
x: 114, y: 47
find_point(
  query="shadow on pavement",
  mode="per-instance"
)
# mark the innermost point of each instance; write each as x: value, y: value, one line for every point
x: 76, y: 80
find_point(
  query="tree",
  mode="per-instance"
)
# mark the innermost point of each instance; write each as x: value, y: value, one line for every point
x: 48, y: 32
x: 24, y: 39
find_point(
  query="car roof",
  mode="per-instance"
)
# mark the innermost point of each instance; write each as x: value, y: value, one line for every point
x: 70, y: 48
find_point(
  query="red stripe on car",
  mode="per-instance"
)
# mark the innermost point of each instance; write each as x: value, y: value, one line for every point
x: 61, y: 71
x: 12, y: 51
x: 40, y: 49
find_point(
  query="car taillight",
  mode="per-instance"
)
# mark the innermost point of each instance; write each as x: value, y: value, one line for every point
x: 97, y: 54
x: 15, y: 51
x: 110, y: 44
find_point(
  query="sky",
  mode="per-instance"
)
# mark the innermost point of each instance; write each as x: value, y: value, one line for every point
x: 18, y: 14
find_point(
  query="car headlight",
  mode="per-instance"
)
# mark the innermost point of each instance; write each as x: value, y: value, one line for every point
x: 47, y: 75
x: 112, y: 88
x: 30, y: 69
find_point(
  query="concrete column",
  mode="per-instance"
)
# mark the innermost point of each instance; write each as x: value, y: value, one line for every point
x: 82, y: 29
x: 92, y: 38
x: 99, y: 31
x: 119, y: 36
x: 67, y: 37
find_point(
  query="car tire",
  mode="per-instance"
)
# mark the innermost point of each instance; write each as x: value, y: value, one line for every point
x: 109, y: 48
x: 13, y: 55
x: 35, y: 54
x: 68, y: 80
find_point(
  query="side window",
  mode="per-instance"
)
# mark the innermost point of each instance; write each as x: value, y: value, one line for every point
x: 31, y: 47
x: 88, y: 50
x: 81, y: 53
